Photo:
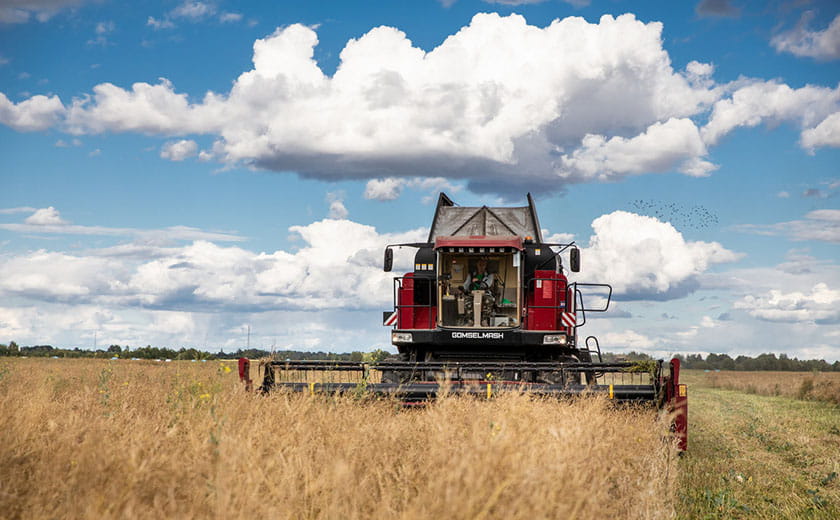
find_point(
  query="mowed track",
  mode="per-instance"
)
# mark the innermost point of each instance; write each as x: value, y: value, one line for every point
x: 754, y: 456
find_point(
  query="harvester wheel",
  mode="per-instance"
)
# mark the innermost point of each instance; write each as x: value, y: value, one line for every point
x: 583, y: 357
x: 586, y: 357
x: 392, y: 376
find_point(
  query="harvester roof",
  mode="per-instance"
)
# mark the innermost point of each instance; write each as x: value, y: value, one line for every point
x: 464, y: 221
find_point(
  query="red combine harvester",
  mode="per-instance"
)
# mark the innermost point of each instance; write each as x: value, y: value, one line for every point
x: 488, y: 308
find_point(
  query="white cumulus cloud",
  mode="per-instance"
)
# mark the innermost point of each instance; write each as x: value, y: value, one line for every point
x: 339, y: 266
x: 45, y: 217
x: 497, y: 104
x: 493, y: 104
x: 338, y: 210
x: 56, y: 276
x: 821, y: 304
x: 772, y: 102
x: 33, y: 114
x: 643, y: 258
x: 826, y: 133
x: 149, y: 109
x: 801, y: 41
x: 383, y: 189
x: 675, y: 143
x: 179, y: 150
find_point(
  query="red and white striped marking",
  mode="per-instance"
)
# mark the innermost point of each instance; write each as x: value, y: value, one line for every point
x: 391, y: 319
x: 568, y: 319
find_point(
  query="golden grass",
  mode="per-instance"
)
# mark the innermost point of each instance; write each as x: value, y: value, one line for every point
x: 131, y: 439
x: 816, y: 386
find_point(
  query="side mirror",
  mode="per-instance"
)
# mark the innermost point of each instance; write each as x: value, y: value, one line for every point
x: 574, y: 259
x: 389, y: 259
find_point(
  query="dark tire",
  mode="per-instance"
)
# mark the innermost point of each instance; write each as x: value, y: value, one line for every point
x: 586, y: 357
x: 392, y: 376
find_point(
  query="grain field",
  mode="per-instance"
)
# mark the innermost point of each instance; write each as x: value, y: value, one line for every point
x: 136, y: 439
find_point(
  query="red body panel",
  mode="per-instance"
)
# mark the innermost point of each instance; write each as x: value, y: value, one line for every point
x: 545, y: 300
x: 410, y: 316
x: 405, y: 298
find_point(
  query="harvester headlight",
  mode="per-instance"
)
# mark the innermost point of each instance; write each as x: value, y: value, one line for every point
x: 401, y: 337
x: 554, y: 339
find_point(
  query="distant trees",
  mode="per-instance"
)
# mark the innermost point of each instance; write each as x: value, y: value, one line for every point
x: 9, y: 350
x: 632, y: 357
x: 720, y: 361
x: 713, y: 361
x: 37, y: 350
x: 150, y: 352
x: 760, y: 362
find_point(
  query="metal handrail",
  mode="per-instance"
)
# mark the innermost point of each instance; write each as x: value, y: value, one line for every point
x: 578, y: 296
x: 577, y: 285
x: 597, y: 346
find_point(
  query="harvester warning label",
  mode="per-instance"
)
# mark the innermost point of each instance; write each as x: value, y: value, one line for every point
x: 568, y: 319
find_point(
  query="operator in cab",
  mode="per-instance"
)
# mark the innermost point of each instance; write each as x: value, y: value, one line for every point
x: 479, y: 279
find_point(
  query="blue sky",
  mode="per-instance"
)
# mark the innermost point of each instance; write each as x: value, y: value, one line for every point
x: 174, y: 172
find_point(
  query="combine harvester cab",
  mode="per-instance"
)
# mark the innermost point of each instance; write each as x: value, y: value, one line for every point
x: 488, y: 308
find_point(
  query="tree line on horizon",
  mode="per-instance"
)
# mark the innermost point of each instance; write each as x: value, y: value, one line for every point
x: 188, y: 354
x: 768, y: 361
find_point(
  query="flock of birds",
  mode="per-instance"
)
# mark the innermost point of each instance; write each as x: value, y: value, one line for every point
x: 680, y: 216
